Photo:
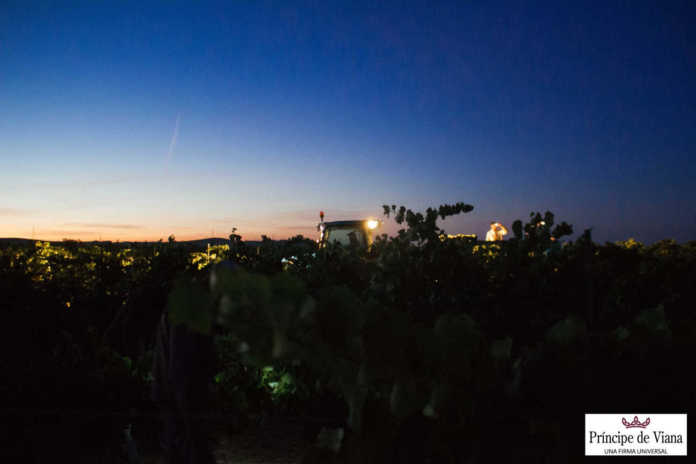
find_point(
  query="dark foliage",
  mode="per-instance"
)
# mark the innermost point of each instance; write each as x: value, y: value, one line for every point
x: 421, y: 349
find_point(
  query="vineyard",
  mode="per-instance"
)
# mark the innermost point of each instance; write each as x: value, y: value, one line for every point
x: 420, y: 349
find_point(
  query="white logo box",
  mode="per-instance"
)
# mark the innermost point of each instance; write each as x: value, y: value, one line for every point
x: 635, y: 434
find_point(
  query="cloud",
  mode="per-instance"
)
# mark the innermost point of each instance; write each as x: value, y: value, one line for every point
x: 90, y: 225
x: 172, y: 142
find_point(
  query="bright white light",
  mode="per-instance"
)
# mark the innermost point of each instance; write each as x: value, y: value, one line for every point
x: 372, y: 224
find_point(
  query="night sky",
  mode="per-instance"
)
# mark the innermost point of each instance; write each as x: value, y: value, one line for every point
x: 136, y: 120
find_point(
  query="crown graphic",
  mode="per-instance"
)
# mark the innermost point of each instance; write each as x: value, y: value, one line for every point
x: 635, y: 423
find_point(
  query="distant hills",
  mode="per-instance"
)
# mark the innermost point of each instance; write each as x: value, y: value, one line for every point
x: 196, y: 243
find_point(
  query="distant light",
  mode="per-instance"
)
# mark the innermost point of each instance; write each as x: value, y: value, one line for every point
x: 372, y: 224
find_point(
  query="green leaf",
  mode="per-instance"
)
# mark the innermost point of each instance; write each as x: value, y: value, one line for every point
x: 330, y: 439
x: 190, y: 305
x: 567, y: 331
x: 406, y: 398
x: 128, y: 362
x: 653, y: 319
x: 652, y: 323
x: 459, y: 338
x: 441, y: 398
x: 622, y: 333
x: 501, y: 349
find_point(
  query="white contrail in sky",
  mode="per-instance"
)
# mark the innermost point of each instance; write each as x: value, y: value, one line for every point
x: 172, y: 143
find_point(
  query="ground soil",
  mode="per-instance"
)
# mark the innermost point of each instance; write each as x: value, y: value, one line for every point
x: 275, y: 441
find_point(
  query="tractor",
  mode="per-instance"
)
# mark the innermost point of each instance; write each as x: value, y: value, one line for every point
x: 342, y: 232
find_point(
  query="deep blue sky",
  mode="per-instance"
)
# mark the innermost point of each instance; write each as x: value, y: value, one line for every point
x: 141, y: 119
